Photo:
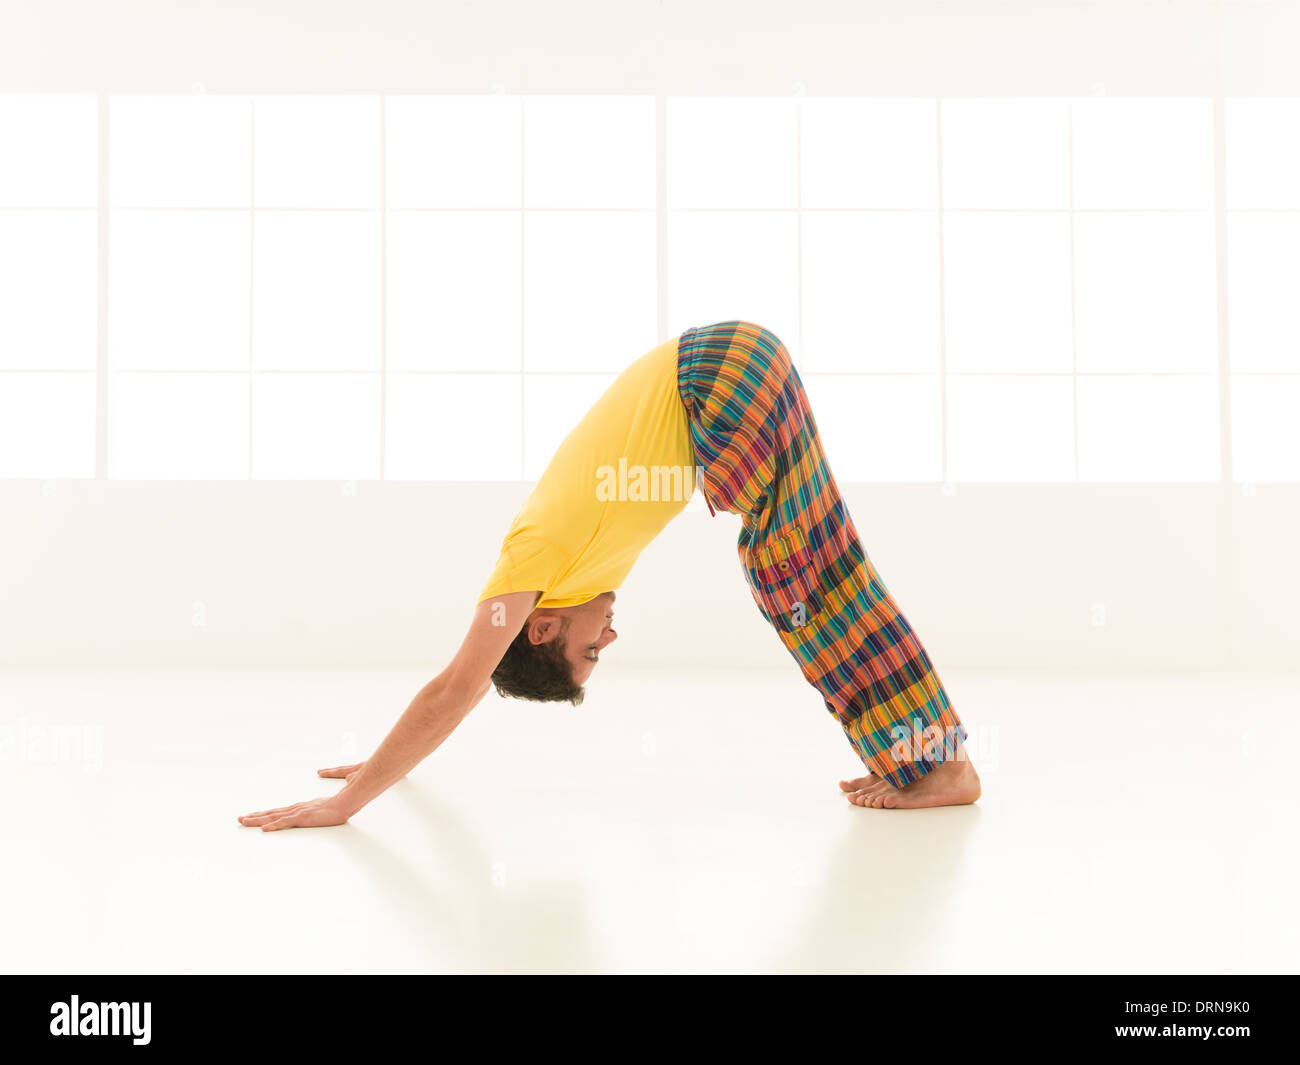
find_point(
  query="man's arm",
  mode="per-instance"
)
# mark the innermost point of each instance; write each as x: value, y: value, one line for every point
x: 444, y: 702
x: 430, y: 718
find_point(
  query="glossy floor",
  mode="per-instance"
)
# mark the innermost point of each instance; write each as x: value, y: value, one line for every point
x: 676, y: 822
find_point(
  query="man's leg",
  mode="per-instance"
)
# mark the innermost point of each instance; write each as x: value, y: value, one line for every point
x: 756, y: 439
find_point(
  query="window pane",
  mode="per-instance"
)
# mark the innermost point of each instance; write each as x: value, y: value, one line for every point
x: 878, y: 427
x: 1007, y: 292
x: 1005, y: 153
x: 48, y: 290
x: 315, y: 426
x: 1145, y: 292
x: 868, y: 153
x: 47, y: 425
x: 178, y: 426
x: 316, y: 151
x: 1143, y: 153
x: 871, y: 291
x: 179, y: 290
x: 180, y: 151
x: 589, y: 289
x: 1148, y: 429
x: 453, y: 427
x: 453, y: 151
x: 1263, y: 286
x: 454, y: 290
x: 1265, y: 429
x: 732, y: 151
x: 553, y: 405
x: 1010, y: 429
x: 316, y: 301
x: 49, y: 144
x: 1263, y: 149
x: 734, y: 265
x: 589, y: 151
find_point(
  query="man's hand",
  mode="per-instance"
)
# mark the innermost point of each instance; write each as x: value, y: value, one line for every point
x: 314, y: 813
x: 429, y: 719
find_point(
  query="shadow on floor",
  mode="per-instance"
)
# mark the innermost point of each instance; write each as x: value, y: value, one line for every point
x: 462, y: 921
x: 883, y: 898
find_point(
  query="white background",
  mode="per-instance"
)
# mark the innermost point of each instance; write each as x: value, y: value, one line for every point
x: 1048, y: 332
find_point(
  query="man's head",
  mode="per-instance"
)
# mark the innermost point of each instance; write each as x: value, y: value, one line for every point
x: 556, y: 651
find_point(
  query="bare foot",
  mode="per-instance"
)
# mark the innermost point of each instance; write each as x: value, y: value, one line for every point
x: 951, y: 783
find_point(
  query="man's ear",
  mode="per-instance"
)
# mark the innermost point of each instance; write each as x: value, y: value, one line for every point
x: 543, y: 628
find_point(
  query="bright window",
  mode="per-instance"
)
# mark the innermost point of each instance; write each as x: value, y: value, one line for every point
x: 348, y: 286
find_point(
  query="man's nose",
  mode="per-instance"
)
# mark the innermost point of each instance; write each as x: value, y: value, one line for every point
x: 610, y: 637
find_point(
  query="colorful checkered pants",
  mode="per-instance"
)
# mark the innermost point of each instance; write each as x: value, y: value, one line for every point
x: 759, y: 455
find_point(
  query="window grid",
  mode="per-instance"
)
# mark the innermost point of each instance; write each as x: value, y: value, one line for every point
x: 1223, y: 360
x: 101, y: 289
x: 661, y: 214
x: 383, y: 288
x: 798, y: 228
x: 943, y: 318
x: 1070, y: 210
x: 523, y: 301
x: 1074, y: 331
x: 252, y: 265
x: 1237, y: 200
x: 1220, y: 211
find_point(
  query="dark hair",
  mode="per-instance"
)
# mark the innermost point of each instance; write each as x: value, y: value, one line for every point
x: 537, y: 671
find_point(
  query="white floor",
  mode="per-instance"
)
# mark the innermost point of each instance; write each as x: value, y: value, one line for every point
x: 1142, y: 823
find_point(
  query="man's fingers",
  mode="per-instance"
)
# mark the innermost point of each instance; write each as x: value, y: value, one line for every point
x: 281, y: 822
x: 262, y: 815
x: 339, y: 770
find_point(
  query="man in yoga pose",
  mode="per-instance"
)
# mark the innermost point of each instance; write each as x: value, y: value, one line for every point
x: 726, y: 399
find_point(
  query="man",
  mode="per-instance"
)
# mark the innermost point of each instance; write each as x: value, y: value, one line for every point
x: 725, y: 398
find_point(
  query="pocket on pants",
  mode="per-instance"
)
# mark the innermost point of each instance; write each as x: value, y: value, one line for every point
x: 780, y: 573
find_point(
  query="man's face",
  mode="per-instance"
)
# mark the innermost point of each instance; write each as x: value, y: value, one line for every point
x: 590, y: 632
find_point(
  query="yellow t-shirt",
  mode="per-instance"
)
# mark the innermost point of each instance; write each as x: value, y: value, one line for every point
x: 623, y: 472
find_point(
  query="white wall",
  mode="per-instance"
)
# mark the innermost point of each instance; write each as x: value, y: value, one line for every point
x: 898, y: 47
x: 1191, y: 576
x: 1188, y: 577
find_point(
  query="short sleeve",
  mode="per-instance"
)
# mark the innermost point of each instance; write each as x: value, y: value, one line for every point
x: 526, y: 564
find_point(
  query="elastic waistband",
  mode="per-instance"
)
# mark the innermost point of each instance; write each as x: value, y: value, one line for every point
x: 685, y: 358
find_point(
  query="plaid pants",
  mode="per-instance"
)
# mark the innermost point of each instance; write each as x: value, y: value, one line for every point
x: 757, y: 448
